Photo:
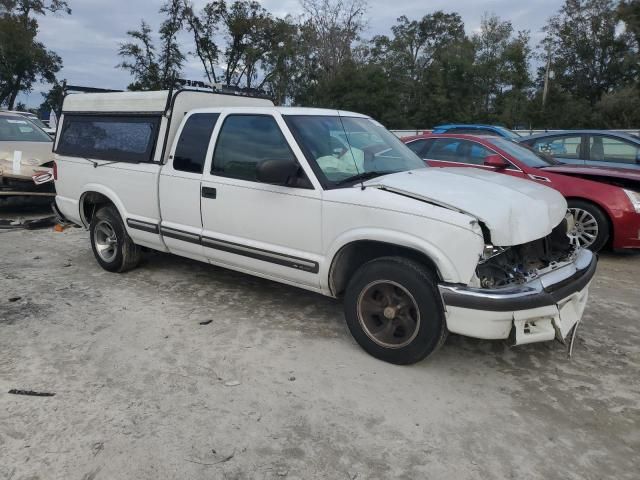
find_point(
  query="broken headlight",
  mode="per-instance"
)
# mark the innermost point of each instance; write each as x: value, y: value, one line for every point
x: 491, y: 251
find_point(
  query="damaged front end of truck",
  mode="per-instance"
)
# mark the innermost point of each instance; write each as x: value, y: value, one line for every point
x: 532, y: 292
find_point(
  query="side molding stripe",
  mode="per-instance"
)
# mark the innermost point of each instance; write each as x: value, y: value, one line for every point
x: 180, y: 235
x: 235, y: 248
x: 264, y: 255
x: 144, y: 226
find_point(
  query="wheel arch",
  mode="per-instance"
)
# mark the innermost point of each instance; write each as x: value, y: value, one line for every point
x: 356, y: 253
x: 92, y: 197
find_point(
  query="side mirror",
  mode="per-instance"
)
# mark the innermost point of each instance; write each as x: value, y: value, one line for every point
x: 276, y: 171
x: 495, y: 161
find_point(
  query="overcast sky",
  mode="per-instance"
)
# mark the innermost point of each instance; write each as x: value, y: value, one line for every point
x: 88, y: 39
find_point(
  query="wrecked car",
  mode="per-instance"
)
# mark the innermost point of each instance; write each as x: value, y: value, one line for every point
x: 285, y: 194
x: 31, y: 172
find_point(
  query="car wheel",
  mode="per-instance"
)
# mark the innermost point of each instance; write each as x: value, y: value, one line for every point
x: 394, y: 311
x: 113, y: 248
x: 591, y: 227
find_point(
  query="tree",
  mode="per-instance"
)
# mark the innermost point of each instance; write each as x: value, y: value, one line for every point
x: 620, y: 109
x: 171, y: 57
x: 141, y: 60
x: 150, y: 70
x: 491, y: 46
x: 52, y: 100
x: 589, y: 56
x: 282, y: 64
x: 248, y: 29
x: 24, y: 60
x: 411, y: 53
x: 329, y: 30
x: 204, y: 27
x: 629, y: 13
x: 512, y: 102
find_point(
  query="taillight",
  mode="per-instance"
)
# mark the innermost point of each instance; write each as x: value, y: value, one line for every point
x: 55, y: 171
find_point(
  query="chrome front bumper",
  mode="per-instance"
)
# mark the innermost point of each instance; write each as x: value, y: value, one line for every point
x: 542, y: 291
x: 544, y: 308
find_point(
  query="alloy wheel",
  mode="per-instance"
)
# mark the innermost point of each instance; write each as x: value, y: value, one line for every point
x: 106, y: 241
x: 388, y: 314
x: 585, y: 229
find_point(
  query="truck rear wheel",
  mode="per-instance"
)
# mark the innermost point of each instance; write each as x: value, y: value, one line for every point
x: 113, y: 248
x: 394, y: 311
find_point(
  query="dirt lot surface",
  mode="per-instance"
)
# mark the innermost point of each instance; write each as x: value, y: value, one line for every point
x: 181, y: 370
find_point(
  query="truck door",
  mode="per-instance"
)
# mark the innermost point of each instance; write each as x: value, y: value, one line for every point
x: 180, y: 183
x: 269, y: 230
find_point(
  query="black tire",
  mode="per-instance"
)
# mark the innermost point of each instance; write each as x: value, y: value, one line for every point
x: 597, y: 215
x: 121, y: 254
x: 407, y: 282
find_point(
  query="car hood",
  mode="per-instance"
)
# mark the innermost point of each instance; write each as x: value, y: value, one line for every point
x: 515, y: 211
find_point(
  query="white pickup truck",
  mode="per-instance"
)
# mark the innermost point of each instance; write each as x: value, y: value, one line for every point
x: 324, y: 200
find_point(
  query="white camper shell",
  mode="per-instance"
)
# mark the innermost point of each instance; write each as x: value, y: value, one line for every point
x: 171, y: 106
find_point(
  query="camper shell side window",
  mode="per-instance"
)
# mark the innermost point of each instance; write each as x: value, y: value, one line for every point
x: 114, y: 137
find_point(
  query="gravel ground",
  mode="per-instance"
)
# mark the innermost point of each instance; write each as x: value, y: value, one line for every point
x: 181, y: 370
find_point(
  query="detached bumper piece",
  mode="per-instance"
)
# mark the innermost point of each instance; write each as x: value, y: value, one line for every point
x: 542, y: 309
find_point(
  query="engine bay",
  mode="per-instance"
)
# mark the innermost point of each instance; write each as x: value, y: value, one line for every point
x: 504, y: 266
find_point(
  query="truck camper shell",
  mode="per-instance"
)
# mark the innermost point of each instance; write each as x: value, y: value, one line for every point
x: 168, y: 106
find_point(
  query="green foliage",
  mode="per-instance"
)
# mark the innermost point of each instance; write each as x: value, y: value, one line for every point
x: 426, y: 71
x: 140, y: 59
x: 588, y: 56
x: 52, y: 100
x: 149, y: 69
x: 24, y: 60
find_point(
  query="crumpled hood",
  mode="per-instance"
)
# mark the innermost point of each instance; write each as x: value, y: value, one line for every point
x: 514, y: 210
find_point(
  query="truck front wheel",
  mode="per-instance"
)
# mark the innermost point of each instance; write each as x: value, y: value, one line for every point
x: 394, y: 311
x: 113, y: 248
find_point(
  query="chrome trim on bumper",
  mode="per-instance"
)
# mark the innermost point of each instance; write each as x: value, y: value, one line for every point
x: 547, y: 289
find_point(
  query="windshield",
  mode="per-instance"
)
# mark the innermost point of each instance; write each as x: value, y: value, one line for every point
x: 38, y: 122
x: 342, y: 149
x: 522, y: 153
x: 16, y: 129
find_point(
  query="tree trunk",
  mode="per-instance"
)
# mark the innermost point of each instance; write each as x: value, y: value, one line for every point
x: 14, y: 92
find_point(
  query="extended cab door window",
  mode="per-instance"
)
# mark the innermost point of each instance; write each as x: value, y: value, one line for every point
x: 191, y: 149
x: 246, y: 140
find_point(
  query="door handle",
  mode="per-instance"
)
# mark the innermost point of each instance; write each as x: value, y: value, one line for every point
x: 208, y: 192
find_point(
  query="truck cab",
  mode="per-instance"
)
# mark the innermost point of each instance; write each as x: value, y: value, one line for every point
x: 325, y: 200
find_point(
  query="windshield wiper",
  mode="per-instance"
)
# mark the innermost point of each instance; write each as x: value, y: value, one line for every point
x: 360, y: 177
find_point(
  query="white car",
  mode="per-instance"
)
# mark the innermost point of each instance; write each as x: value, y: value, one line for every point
x: 34, y: 119
x: 18, y: 134
x: 285, y: 194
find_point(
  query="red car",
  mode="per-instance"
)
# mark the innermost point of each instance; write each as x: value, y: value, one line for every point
x: 605, y: 202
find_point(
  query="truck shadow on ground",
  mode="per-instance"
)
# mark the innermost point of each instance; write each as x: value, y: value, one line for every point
x: 278, y: 306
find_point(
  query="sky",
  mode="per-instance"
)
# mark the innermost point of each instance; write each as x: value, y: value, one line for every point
x: 88, y: 39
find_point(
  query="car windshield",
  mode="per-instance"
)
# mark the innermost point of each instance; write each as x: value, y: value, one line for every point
x: 522, y: 153
x: 37, y: 121
x: 346, y: 149
x: 16, y: 129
